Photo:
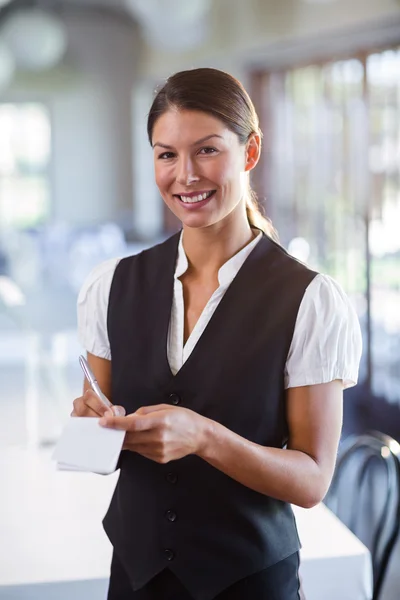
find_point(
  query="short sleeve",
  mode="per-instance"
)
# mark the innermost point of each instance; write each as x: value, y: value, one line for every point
x: 92, y: 307
x: 326, y: 343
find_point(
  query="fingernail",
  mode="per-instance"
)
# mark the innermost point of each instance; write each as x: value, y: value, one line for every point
x: 119, y: 411
x: 103, y: 421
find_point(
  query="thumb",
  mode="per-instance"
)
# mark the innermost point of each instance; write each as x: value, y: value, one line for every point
x: 115, y: 411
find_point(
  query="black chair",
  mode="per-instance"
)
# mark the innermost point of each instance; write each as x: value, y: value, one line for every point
x: 365, y: 495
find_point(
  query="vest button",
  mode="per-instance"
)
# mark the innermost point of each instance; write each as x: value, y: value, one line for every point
x: 171, y: 477
x: 171, y: 515
x: 169, y: 554
x: 174, y: 399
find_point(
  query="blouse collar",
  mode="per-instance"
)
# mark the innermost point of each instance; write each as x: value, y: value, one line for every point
x: 228, y: 271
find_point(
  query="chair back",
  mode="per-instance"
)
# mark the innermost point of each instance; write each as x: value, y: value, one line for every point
x: 365, y: 495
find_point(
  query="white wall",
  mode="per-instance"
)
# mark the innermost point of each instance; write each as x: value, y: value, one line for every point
x: 148, y: 213
x: 90, y: 103
x: 92, y: 123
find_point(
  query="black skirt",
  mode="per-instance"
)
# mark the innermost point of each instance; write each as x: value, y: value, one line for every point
x: 278, y: 582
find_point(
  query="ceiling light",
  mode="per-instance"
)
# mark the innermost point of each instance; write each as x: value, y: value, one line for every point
x: 35, y: 37
x: 174, y: 25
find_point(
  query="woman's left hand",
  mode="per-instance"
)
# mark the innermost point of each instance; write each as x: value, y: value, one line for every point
x: 162, y: 432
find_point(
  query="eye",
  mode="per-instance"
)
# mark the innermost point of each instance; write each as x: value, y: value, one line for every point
x: 166, y: 155
x: 208, y: 150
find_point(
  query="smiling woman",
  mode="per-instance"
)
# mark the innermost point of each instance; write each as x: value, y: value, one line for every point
x: 230, y: 124
x: 228, y: 358
x: 201, y: 183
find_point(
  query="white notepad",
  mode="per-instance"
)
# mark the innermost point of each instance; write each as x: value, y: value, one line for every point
x: 84, y: 445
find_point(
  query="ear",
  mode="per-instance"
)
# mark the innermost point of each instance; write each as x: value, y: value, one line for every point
x: 253, y: 150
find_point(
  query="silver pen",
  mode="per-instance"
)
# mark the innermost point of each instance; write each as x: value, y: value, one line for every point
x: 93, y: 382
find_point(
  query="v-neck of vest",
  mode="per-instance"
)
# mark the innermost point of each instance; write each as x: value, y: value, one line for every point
x: 239, y: 282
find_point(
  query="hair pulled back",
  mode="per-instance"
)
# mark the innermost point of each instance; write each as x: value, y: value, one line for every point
x: 221, y: 95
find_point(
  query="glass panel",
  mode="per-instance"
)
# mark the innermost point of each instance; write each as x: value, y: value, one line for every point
x: 25, y: 147
x: 334, y: 190
x: 319, y: 177
x: 384, y: 161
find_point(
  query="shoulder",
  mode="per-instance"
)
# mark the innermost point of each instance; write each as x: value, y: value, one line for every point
x: 327, y: 311
x: 158, y: 249
x: 289, y: 277
x: 92, y: 308
x: 325, y: 296
x: 98, y: 280
x: 148, y: 265
x: 284, y: 262
x: 327, y: 341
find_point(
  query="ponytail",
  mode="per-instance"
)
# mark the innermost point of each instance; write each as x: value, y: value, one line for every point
x: 256, y: 218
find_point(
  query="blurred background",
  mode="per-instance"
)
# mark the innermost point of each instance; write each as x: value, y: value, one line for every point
x: 76, y: 177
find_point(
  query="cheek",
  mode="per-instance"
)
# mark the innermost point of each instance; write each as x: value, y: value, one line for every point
x: 228, y: 172
x: 162, y: 177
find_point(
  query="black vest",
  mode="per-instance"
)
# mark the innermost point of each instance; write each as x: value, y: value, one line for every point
x: 186, y: 515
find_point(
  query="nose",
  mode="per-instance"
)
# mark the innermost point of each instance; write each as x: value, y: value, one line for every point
x: 186, y: 173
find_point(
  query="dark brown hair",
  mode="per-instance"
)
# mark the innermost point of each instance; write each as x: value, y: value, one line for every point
x: 222, y: 96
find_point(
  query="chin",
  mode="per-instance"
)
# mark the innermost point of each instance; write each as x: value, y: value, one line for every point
x: 196, y: 223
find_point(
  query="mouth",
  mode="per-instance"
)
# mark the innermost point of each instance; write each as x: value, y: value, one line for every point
x: 194, y: 198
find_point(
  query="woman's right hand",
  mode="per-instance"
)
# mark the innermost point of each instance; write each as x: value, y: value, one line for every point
x: 89, y: 405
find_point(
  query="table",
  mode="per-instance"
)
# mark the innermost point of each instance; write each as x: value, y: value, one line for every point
x: 334, y: 563
x: 52, y: 545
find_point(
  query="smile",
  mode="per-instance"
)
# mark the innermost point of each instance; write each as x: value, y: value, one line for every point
x: 193, y: 199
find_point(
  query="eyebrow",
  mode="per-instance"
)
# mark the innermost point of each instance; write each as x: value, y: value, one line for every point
x: 201, y: 141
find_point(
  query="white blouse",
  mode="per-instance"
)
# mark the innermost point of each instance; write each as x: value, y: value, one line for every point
x: 326, y: 343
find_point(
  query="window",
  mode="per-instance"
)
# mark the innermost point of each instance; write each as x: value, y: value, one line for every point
x: 25, y: 149
x: 331, y: 179
x: 383, y: 76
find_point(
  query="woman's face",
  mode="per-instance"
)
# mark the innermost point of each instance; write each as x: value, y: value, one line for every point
x: 201, y: 169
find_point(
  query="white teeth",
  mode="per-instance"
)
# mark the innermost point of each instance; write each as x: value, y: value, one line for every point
x: 193, y: 199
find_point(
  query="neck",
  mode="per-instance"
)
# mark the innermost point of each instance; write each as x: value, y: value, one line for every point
x: 208, y: 248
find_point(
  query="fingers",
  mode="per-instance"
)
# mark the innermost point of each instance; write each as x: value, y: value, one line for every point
x: 138, y: 439
x: 145, y: 418
x: 93, y: 402
x: 113, y: 422
x: 150, y: 444
x: 89, y: 405
x: 132, y: 422
x: 83, y: 409
x: 118, y: 411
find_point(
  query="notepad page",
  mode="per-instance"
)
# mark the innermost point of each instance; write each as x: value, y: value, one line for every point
x: 84, y: 445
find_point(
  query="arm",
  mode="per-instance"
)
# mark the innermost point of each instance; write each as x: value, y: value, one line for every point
x: 92, y: 308
x: 302, y: 473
